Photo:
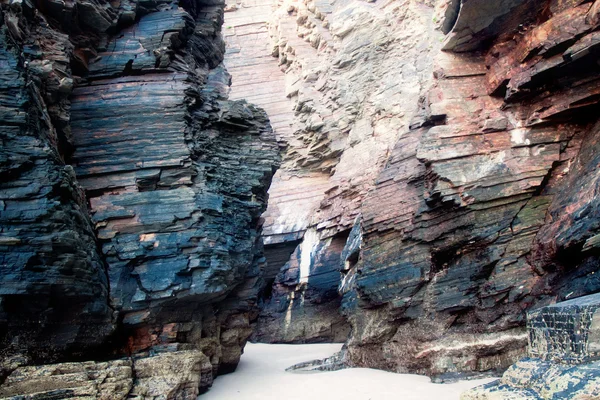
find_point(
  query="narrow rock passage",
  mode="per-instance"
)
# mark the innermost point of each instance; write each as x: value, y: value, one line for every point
x: 254, y: 38
x: 261, y: 375
x: 256, y: 76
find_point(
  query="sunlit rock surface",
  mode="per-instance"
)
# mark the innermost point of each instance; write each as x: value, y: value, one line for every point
x: 458, y: 139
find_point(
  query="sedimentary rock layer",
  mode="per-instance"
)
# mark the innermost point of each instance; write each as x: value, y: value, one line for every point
x: 159, y: 249
x: 454, y: 261
x: 169, y: 375
x: 458, y: 139
x: 563, y: 356
x: 54, y: 290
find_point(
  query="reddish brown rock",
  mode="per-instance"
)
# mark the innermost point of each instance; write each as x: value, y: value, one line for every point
x: 452, y: 271
x: 464, y: 178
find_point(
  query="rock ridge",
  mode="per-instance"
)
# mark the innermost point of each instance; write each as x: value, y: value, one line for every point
x: 132, y: 200
x: 441, y: 158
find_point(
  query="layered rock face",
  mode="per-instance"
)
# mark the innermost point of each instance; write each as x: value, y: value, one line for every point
x: 563, y: 356
x: 131, y: 195
x: 451, y: 145
x: 439, y: 179
x: 169, y: 375
x: 444, y: 278
x: 353, y: 73
x: 54, y: 295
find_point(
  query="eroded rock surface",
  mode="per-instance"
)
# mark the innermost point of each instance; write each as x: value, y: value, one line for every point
x: 174, y: 375
x: 439, y: 179
x: 457, y: 139
x: 445, y: 278
x: 54, y: 288
x: 131, y: 195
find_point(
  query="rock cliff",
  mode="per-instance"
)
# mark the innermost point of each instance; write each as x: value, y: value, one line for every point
x: 452, y: 146
x: 130, y: 197
x: 439, y: 179
x: 562, y: 360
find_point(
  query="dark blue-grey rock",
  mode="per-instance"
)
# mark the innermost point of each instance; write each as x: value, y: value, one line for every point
x: 131, y: 195
x: 53, y: 282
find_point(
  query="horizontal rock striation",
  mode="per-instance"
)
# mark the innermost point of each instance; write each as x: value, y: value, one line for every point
x: 54, y: 288
x: 168, y: 375
x: 305, y: 294
x: 133, y: 193
x: 352, y: 72
x: 457, y: 140
x: 439, y: 179
x: 453, y: 232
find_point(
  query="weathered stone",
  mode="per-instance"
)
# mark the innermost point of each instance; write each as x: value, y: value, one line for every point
x: 463, y: 225
x: 53, y: 295
x: 82, y: 380
x: 174, y: 375
x: 163, y: 240
x: 568, y: 332
x: 304, y: 303
x: 563, y: 345
x: 453, y: 191
x: 350, y: 99
x: 478, y: 21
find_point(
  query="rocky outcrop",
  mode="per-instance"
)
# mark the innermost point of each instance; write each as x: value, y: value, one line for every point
x: 439, y: 179
x: 166, y: 376
x: 176, y: 214
x: 131, y: 195
x: 305, y: 293
x: 563, y: 356
x: 457, y: 140
x: 82, y: 380
x: 445, y: 278
x: 351, y: 98
x: 54, y: 290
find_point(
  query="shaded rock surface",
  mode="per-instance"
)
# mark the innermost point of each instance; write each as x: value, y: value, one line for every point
x: 54, y: 290
x: 131, y: 195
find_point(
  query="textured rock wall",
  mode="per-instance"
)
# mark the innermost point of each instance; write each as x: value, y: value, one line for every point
x: 353, y: 72
x: 54, y: 290
x: 444, y: 280
x: 131, y: 195
x: 457, y: 140
x: 439, y: 178
x: 563, y: 356
x: 174, y: 375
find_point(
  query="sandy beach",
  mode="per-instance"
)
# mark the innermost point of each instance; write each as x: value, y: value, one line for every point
x: 261, y: 376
